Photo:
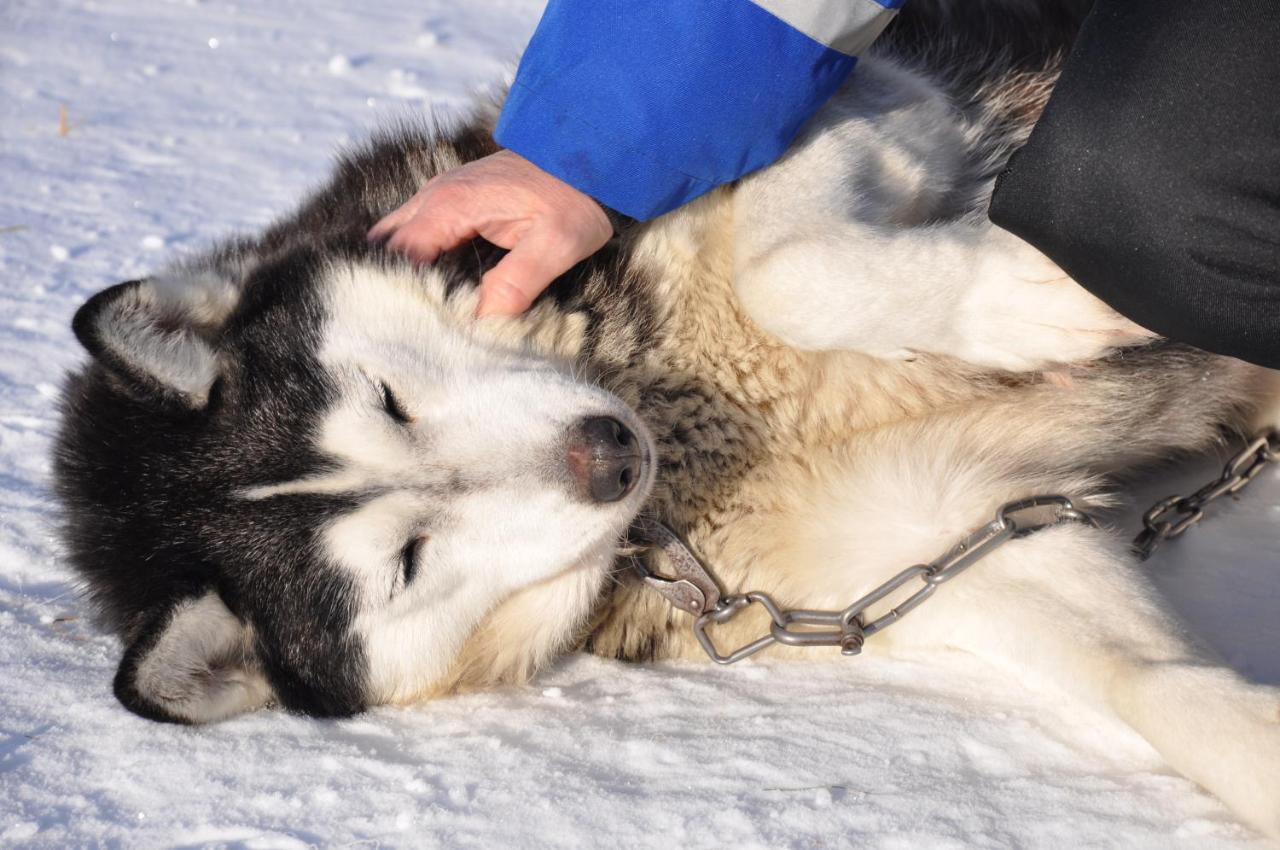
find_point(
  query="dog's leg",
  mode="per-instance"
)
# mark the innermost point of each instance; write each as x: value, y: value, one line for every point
x: 1067, y: 606
x: 961, y: 289
x: 1070, y: 605
x: 870, y: 235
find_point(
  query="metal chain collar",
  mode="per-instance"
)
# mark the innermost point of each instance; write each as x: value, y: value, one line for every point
x: 693, y: 588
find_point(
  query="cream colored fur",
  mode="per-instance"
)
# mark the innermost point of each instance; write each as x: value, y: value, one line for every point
x: 848, y: 220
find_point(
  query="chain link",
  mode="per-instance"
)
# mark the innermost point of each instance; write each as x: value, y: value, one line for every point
x: 694, y: 589
x: 1172, y: 516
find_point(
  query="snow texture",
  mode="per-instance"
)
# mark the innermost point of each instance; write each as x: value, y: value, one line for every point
x: 187, y: 120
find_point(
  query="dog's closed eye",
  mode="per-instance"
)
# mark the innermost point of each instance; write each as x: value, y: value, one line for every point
x: 393, y: 406
x: 410, y: 556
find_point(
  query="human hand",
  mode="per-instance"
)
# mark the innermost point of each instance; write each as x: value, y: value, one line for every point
x: 547, y: 225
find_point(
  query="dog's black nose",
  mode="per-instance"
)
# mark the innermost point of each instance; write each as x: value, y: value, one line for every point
x: 604, y: 459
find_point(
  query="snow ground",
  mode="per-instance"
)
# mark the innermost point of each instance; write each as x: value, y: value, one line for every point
x: 190, y: 119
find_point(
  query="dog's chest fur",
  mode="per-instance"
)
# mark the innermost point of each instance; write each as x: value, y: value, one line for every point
x: 735, y: 413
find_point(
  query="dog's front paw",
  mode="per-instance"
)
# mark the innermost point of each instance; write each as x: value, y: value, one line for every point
x: 1024, y: 313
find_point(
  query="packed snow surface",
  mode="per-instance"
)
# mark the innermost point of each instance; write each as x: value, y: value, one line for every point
x: 132, y: 131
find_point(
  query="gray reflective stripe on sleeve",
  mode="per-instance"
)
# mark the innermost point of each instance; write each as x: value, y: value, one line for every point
x: 848, y: 26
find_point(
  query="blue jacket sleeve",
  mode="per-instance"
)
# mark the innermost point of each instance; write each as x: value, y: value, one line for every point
x: 647, y: 104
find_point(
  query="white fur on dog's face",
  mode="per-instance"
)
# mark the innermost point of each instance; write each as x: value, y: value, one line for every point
x: 477, y: 476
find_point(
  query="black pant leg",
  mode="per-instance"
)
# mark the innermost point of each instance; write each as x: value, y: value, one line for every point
x: 1153, y: 177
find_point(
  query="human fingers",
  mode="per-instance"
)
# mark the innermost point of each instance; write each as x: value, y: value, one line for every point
x: 394, y: 219
x: 430, y: 233
x: 511, y: 286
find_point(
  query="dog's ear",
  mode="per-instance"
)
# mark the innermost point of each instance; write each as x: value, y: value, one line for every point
x: 195, y: 663
x: 157, y: 335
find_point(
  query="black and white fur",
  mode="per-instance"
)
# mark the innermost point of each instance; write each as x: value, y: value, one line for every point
x: 298, y: 471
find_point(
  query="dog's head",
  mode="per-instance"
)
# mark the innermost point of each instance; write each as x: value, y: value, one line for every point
x: 322, y: 483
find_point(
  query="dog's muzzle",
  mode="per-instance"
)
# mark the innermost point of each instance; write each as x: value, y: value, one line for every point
x: 606, y: 460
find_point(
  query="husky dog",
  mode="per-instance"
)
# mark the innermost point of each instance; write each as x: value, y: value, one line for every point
x: 298, y: 471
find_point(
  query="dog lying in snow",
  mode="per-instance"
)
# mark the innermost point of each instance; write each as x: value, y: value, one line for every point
x: 297, y: 471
